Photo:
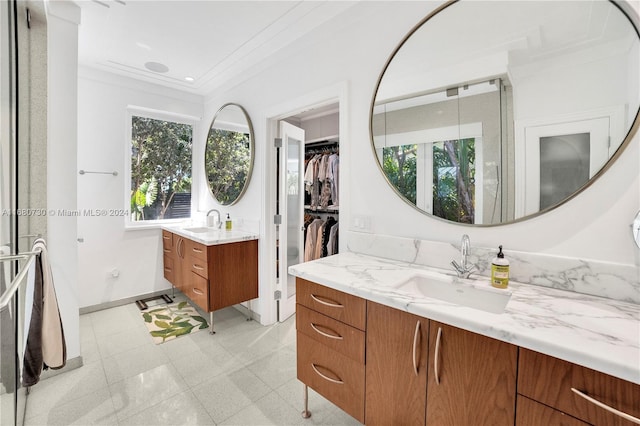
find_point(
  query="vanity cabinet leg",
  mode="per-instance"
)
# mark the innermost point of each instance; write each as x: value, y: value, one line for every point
x: 211, y: 331
x: 249, y: 310
x: 306, y: 413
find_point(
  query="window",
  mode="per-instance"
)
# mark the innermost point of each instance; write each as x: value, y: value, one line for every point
x: 160, y: 167
x: 451, y: 183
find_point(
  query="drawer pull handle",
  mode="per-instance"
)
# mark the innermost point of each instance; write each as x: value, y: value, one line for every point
x: 166, y: 237
x: 198, y: 267
x: 180, y: 252
x: 330, y: 304
x: 437, y: 355
x: 167, y: 269
x: 606, y: 407
x: 330, y: 336
x: 197, y: 250
x: 198, y: 291
x: 167, y: 250
x: 415, y: 346
x: 338, y: 381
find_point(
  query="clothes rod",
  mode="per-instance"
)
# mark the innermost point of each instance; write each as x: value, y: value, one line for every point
x: 84, y: 172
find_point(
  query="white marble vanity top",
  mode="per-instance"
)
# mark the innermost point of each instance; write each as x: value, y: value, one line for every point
x: 210, y: 236
x: 598, y: 333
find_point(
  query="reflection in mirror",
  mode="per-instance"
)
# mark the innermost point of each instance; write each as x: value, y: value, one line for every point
x: 513, y: 113
x: 229, y: 154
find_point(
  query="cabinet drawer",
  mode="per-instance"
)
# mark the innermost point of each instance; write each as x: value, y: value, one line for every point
x: 333, y: 375
x: 196, y: 250
x: 338, y: 336
x: 167, y: 241
x: 344, y: 307
x: 531, y: 413
x: 198, y: 266
x: 549, y: 380
x: 198, y: 291
x: 169, y: 268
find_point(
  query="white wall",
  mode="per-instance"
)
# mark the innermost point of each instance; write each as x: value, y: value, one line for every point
x: 102, y: 143
x: 348, y: 52
x: 354, y: 48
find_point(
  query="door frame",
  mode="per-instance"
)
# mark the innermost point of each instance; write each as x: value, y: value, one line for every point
x: 615, y: 114
x: 326, y: 96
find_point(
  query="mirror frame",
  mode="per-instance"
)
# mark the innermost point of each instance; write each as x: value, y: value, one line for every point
x: 624, y: 8
x: 251, y: 161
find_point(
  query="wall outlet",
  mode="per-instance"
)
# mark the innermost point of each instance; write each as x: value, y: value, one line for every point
x: 361, y: 223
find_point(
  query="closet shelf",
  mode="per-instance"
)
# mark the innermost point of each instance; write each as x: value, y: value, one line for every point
x: 307, y: 208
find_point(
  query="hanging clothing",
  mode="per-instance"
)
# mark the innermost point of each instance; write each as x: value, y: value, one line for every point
x: 46, y: 346
x: 332, y: 246
x: 312, y: 184
x: 333, y: 176
x: 311, y: 239
x: 317, y: 249
x: 325, y: 235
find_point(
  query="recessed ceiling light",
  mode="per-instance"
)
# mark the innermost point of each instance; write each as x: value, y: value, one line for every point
x: 189, y: 79
x: 156, y: 67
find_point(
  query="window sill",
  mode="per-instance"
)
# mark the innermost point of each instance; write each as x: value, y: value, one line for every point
x: 152, y: 224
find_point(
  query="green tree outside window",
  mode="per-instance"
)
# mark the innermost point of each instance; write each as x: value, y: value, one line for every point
x: 160, y: 168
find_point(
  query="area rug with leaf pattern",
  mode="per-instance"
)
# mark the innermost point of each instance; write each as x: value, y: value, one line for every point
x: 170, y: 321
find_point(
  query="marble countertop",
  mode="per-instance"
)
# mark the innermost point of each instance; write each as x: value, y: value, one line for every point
x: 598, y: 333
x: 210, y: 236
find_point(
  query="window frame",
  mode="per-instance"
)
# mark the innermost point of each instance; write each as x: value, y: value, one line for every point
x: 137, y: 111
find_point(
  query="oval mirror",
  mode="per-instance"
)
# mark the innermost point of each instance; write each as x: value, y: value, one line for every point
x: 635, y: 227
x: 228, y: 159
x: 491, y: 112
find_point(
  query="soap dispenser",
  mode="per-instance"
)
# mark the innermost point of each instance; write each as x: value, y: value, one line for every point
x: 500, y: 270
x: 227, y: 223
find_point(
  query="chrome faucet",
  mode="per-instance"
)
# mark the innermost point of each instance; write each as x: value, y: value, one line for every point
x: 219, y: 220
x: 464, y: 269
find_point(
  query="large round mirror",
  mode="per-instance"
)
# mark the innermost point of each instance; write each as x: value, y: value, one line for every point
x: 229, y: 154
x: 492, y: 111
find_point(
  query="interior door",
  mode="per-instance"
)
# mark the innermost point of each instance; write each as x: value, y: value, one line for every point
x: 561, y: 158
x: 291, y: 210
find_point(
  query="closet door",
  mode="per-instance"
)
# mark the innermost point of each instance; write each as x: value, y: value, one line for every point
x: 291, y: 209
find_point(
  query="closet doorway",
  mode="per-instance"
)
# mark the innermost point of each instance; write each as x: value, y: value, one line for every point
x: 307, y: 200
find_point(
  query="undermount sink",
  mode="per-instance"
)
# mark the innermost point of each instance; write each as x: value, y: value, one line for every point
x: 457, y: 291
x: 200, y: 229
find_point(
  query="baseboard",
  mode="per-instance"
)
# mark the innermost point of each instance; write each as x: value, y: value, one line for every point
x: 93, y: 308
x: 249, y: 313
x: 71, y: 364
x: 120, y: 302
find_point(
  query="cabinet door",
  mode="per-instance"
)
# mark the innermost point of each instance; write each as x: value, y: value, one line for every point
x: 396, y: 367
x: 180, y: 269
x: 471, y: 377
x: 168, y: 257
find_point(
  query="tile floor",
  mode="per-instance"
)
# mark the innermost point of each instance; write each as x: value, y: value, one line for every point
x: 245, y: 374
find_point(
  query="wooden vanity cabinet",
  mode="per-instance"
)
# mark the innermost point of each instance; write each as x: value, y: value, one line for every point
x: 396, y: 368
x: 330, y: 343
x: 215, y: 276
x: 173, y: 258
x: 549, y: 381
x: 471, y: 378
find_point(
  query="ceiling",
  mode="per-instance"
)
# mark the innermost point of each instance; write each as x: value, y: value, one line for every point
x: 209, y: 41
